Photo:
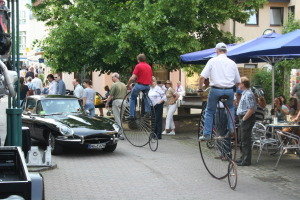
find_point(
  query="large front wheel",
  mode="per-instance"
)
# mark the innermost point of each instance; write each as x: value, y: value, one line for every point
x: 138, y: 130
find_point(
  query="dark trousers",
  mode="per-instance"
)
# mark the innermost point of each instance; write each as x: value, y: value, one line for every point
x: 246, y: 141
x: 158, y: 119
x: 221, y: 125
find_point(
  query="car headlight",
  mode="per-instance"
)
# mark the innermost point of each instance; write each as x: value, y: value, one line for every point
x: 116, y: 127
x: 65, y: 130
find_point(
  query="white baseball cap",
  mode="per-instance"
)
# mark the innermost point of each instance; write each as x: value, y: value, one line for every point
x: 221, y: 45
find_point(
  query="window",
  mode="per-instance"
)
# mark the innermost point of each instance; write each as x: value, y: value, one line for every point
x: 276, y: 16
x: 291, y: 11
x: 253, y: 19
x: 23, y: 17
x: 39, y: 108
x: 30, y: 104
x: 22, y: 40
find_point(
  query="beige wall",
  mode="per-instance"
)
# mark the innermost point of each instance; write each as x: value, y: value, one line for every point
x: 248, y: 32
x: 296, y: 3
x: 99, y: 82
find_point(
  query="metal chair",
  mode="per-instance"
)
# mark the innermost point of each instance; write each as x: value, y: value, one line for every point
x: 260, y: 139
x: 287, y: 141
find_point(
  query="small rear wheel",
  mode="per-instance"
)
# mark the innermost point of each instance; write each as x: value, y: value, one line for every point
x: 56, y: 148
x: 153, y: 142
x: 232, y: 175
x: 110, y: 148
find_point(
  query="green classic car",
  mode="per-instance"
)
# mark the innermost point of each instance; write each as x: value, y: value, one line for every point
x: 60, y: 121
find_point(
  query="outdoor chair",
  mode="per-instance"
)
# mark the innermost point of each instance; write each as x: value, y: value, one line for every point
x: 287, y: 141
x: 261, y: 140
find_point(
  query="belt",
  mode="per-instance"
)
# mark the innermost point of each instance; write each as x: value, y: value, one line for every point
x: 143, y: 84
x: 223, y: 88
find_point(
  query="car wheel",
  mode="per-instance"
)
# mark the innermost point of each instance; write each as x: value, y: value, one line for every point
x: 110, y: 148
x: 56, y: 148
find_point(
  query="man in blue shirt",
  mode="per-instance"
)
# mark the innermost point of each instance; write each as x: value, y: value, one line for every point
x: 60, y: 84
x: 245, y: 111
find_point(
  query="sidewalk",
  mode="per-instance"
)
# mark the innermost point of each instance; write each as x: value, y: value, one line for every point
x: 3, y: 106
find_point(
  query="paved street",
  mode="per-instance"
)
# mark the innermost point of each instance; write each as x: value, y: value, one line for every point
x: 175, y: 171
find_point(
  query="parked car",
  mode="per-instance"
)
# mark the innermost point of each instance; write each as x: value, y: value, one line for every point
x: 60, y: 121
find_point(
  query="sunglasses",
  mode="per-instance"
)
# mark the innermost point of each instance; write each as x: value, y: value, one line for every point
x: 55, y: 77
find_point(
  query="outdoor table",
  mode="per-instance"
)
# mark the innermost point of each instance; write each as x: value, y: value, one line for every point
x: 282, y: 146
x: 282, y: 125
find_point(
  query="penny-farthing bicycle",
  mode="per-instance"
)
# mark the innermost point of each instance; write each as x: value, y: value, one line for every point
x: 219, y: 153
x: 139, y: 131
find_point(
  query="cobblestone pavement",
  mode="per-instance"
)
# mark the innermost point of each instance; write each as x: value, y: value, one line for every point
x: 175, y: 171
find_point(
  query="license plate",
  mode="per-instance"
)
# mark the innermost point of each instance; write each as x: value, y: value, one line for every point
x: 96, y: 146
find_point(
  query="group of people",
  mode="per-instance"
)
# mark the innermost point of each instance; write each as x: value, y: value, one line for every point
x: 32, y: 84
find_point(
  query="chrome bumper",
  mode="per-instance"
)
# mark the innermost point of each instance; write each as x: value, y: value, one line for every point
x: 114, y: 139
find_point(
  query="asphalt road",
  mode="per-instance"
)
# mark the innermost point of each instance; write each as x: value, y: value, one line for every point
x: 175, y: 171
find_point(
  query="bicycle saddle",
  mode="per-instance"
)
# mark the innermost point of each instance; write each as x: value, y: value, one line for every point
x: 223, y: 98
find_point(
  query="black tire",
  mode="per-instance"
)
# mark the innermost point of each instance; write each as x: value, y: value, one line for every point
x: 56, y: 149
x: 232, y: 175
x: 138, y: 130
x: 217, y: 152
x: 110, y: 148
x: 153, y: 142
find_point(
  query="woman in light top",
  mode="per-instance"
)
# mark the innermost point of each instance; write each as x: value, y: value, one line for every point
x: 172, y: 97
x: 157, y: 97
x: 88, y: 98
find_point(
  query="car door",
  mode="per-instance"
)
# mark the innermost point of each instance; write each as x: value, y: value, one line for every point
x: 28, y: 118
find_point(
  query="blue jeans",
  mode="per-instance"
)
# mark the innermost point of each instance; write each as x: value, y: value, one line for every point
x: 212, y: 102
x: 91, y: 108
x: 133, y: 98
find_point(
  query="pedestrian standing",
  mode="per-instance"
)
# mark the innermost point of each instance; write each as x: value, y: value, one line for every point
x: 38, y: 84
x: 78, y: 91
x: 142, y: 75
x: 157, y: 97
x: 30, y: 86
x: 30, y: 73
x: 172, y: 97
x: 180, y: 90
x: 52, y: 84
x: 245, y: 111
x: 23, y: 90
x: 88, y: 98
x: 223, y: 75
x: 60, y: 86
x: 117, y: 94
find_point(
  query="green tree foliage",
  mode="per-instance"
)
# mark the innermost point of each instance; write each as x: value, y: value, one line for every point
x: 106, y: 35
x: 284, y: 70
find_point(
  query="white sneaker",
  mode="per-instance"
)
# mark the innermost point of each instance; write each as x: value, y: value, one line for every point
x: 172, y: 133
x: 164, y: 133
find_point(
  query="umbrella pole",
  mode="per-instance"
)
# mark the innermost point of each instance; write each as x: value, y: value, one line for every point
x: 273, y: 84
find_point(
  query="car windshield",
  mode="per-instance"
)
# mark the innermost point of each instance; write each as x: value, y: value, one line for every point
x: 60, y: 106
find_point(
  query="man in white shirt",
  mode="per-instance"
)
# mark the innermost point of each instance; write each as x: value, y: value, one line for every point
x: 37, y: 84
x: 223, y: 75
x: 52, y: 84
x: 78, y: 91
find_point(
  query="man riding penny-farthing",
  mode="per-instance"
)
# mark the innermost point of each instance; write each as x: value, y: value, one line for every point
x: 217, y: 128
x: 137, y: 113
